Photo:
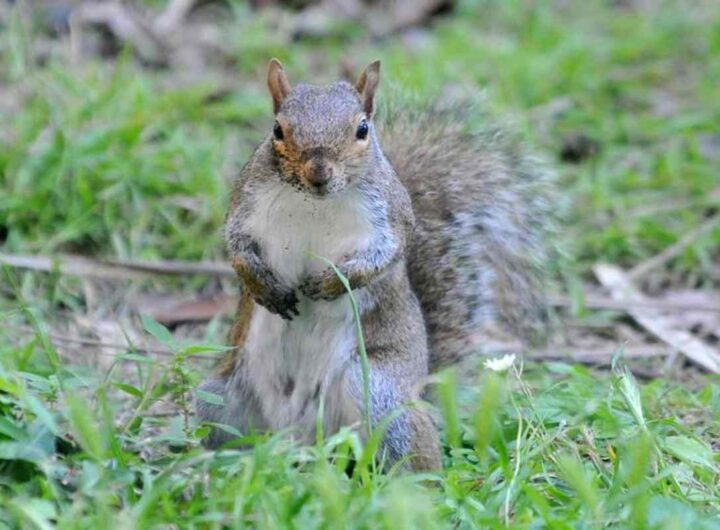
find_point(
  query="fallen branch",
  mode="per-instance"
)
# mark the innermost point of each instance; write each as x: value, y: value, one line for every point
x: 599, y: 302
x: 74, y: 265
x: 70, y: 265
x: 209, y: 268
x: 622, y: 289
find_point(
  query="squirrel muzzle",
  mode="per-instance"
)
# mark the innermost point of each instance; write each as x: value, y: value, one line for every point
x: 318, y: 175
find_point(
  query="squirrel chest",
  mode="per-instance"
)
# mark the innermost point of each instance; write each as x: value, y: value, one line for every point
x: 295, y: 229
x: 292, y: 363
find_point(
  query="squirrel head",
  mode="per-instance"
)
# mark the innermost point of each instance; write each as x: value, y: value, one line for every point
x: 322, y: 135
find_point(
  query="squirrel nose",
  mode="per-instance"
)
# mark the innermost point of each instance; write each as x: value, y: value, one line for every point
x: 320, y: 174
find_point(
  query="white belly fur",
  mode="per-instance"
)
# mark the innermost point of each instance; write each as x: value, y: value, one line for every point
x: 313, y: 349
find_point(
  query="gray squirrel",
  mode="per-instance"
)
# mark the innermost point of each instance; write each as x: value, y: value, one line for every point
x: 440, y: 234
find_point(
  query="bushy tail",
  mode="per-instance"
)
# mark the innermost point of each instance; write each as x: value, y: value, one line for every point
x: 483, y: 209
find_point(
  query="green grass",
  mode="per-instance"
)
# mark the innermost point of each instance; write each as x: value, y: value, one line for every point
x: 111, y: 159
x: 551, y: 448
x: 119, y: 166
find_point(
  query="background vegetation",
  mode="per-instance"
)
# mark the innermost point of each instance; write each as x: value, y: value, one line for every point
x: 127, y: 151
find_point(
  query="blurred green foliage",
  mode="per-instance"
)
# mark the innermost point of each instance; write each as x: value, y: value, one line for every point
x: 114, y: 159
x: 108, y: 159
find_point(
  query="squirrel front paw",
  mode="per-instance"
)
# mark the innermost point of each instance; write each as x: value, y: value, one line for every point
x: 282, y: 302
x: 322, y: 286
x: 274, y: 296
x: 264, y: 287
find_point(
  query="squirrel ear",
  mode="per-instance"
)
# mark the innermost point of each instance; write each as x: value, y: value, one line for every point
x: 367, y: 84
x: 278, y: 83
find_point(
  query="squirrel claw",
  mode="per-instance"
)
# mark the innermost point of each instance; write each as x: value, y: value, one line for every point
x: 321, y: 287
x: 282, y: 304
x: 312, y: 287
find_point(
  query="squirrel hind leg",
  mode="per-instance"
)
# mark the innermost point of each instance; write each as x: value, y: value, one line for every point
x: 239, y: 408
x: 211, y: 412
x: 425, y: 444
x: 410, y: 435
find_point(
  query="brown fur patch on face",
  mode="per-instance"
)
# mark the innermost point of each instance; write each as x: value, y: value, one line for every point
x: 290, y: 159
x: 308, y: 150
x: 305, y: 170
x: 296, y: 165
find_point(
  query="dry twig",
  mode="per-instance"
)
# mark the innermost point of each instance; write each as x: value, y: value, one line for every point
x: 621, y: 288
x: 599, y: 302
x: 73, y: 265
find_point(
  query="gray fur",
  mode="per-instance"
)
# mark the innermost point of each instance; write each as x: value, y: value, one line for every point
x: 336, y: 104
x: 385, y: 403
x: 456, y: 244
x: 276, y: 297
x: 241, y: 411
x: 484, y: 210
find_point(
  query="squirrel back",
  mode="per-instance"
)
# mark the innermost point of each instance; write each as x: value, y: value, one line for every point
x: 483, y: 209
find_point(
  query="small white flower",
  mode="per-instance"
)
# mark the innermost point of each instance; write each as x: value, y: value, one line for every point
x: 501, y: 364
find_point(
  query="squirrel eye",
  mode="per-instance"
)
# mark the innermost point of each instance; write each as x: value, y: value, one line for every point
x: 278, y: 132
x: 362, y: 130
